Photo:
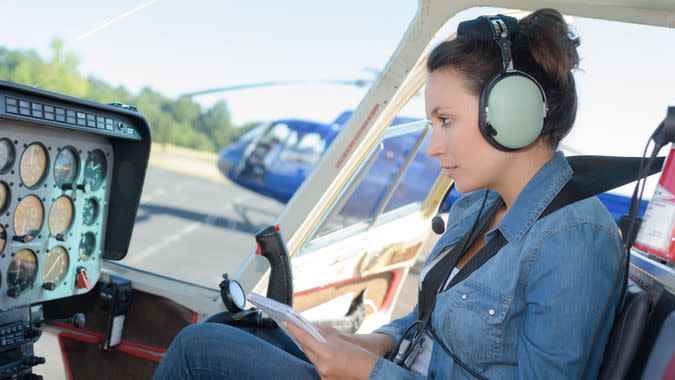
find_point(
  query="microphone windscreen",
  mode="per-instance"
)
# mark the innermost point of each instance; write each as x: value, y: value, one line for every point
x: 438, y: 225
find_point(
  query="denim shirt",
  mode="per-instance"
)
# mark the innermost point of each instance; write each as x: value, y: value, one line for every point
x: 543, y: 306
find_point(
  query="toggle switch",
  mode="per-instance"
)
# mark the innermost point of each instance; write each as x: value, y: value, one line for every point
x: 82, y: 280
x: 22, y: 238
x: 85, y: 187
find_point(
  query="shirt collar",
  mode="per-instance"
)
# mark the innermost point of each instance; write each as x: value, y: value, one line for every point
x: 534, y: 198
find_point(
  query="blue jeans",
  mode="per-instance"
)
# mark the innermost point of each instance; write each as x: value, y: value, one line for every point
x: 217, y: 351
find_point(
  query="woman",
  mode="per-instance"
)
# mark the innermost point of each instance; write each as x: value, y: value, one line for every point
x: 542, y: 307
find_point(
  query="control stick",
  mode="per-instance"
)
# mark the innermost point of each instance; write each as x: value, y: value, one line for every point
x: 272, y: 247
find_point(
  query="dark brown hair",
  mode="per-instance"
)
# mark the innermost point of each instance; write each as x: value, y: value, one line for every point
x: 543, y: 46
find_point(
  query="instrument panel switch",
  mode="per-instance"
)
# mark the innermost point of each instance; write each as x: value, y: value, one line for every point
x: 82, y: 280
x: 84, y: 187
x: 22, y: 238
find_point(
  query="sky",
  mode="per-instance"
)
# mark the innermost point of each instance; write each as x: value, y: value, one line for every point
x: 175, y: 47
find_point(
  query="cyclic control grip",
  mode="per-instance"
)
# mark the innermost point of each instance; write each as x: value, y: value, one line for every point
x: 273, y: 248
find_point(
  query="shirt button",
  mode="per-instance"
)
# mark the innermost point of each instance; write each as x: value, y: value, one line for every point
x: 491, y: 311
x: 463, y: 296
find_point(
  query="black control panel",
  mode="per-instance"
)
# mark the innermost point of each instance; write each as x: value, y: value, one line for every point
x: 18, y: 332
x: 13, y: 334
x: 17, y: 362
x: 57, y: 114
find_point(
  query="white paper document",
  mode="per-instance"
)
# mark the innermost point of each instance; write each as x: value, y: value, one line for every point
x: 281, y: 312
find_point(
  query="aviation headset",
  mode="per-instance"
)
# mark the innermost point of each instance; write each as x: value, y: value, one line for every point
x: 512, y: 104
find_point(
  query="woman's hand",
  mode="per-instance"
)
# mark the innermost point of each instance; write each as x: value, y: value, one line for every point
x: 338, y: 358
x: 378, y: 344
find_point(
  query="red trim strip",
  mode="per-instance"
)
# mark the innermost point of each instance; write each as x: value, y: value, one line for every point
x: 125, y: 347
x: 66, y: 363
x: 195, y: 316
x: 159, y: 350
x: 82, y: 330
x: 138, y: 354
x: 357, y: 137
x: 396, y: 276
x: 392, y: 289
x: 100, y: 336
x: 81, y: 338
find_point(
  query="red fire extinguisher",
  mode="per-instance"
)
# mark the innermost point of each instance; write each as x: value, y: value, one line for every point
x: 657, y: 232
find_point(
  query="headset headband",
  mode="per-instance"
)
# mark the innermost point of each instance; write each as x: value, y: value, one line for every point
x: 501, y: 36
x: 497, y: 28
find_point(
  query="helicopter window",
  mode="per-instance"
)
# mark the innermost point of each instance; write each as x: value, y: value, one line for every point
x: 303, y: 148
x: 365, y: 200
x: 416, y: 181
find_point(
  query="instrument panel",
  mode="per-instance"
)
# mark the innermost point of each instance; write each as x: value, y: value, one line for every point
x: 71, y: 177
x: 54, y: 192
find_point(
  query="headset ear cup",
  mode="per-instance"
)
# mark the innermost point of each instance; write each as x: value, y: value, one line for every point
x: 513, y: 111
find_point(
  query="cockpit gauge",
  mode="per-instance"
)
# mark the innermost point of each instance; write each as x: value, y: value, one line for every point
x: 28, y: 218
x: 7, y: 155
x: 22, y: 269
x: 33, y: 165
x: 87, y: 245
x: 55, y: 266
x: 90, y: 211
x: 4, y: 196
x: 66, y: 167
x: 60, y: 215
x: 95, y: 169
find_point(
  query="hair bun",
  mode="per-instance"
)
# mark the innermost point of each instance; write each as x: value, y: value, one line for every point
x: 551, y: 43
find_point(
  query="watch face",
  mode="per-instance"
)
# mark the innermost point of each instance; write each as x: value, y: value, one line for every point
x: 237, y: 294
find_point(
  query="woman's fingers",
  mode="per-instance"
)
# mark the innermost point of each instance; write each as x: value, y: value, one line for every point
x: 327, y: 330
x: 307, y: 341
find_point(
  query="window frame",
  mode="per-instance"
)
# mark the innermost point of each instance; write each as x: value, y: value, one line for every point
x: 378, y: 218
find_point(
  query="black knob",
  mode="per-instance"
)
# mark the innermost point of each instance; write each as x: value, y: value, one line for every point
x: 67, y: 186
x: 13, y: 292
x: 49, y: 286
x: 79, y: 320
x: 60, y: 237
x: 34, y: 360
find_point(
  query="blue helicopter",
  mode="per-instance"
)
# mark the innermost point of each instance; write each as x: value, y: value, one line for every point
x: 275, y: 158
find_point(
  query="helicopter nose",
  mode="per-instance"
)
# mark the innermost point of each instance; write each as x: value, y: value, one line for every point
x: 224, y: 166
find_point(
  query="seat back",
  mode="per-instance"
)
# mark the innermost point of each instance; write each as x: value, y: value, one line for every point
x: 626, y: 333
x: 661, y: 364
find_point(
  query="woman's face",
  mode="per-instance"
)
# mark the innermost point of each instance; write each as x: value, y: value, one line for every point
x: 456, y: 141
